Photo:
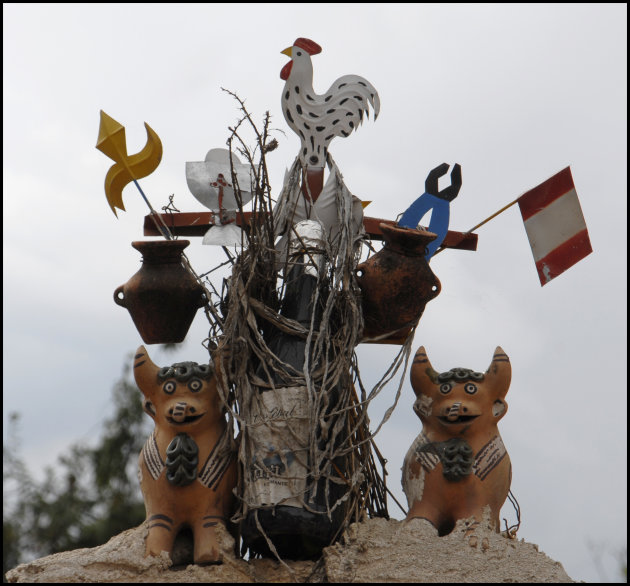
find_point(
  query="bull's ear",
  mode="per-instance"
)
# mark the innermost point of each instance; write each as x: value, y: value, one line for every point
x: 145, y: 372
x: 423, y: 376
x: 499, y: 373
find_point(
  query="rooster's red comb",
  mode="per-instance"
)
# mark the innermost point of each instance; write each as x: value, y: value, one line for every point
x: 311, y: 47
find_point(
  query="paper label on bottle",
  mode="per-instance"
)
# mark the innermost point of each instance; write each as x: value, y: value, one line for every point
x: 278, y: 436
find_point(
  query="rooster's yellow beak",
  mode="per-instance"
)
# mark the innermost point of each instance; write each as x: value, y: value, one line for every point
x: 287, y: 52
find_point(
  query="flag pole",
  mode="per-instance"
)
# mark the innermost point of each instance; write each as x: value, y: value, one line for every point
x: 483, y: 222
x: 492, y: 216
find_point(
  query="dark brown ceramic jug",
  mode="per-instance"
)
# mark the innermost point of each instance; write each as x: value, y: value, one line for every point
x: 162, y: 297
x: 396, y: 284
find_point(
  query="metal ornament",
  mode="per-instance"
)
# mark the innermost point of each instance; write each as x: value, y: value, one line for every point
x: 317, y: 119
x: 210, y: 182
x: 436, y: 200
x: 112, y: 142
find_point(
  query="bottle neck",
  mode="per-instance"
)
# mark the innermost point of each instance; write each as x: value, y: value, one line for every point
x: 299, y: 302
x: 299, y: 297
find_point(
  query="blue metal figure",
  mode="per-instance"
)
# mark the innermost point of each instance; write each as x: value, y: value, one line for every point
x: 438, y: 201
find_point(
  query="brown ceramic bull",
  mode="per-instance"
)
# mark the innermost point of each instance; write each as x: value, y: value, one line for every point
x: 458, y: 466
x: 187, y: 467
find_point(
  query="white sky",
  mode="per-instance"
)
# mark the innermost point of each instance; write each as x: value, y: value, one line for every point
x: 514, y: 93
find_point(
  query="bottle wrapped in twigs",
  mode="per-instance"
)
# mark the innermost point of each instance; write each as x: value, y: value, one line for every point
x: 287, y: 485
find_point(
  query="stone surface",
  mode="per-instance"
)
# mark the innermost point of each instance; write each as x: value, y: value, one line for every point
x: 376, y: 550
x: 411, y: 551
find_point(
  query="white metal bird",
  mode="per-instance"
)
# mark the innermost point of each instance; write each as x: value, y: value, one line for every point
x: 210, y: 182
x: 214, y: 193
x: 317, y: 119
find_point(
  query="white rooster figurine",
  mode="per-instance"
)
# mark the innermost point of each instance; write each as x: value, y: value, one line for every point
x: 317, y: 119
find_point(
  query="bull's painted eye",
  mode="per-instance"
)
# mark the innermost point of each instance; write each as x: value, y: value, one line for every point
x: 470, y: 388
x: 169, y: 387
x: 445, y: 388
x: 195, y: 385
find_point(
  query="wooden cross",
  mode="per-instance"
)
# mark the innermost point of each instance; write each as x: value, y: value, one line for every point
x: 198, y: 223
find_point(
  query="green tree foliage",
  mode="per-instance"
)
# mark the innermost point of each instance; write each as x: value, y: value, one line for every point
x: 16, y: 485
x: 92, y: 494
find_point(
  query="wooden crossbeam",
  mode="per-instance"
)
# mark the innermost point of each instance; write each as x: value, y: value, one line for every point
x: 198, y: 223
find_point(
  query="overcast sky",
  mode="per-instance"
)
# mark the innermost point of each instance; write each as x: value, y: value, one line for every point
x: 514, y: 93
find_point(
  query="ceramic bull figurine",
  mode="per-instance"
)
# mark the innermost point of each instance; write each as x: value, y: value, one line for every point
x: 458, y: 465
x: 187, y: 467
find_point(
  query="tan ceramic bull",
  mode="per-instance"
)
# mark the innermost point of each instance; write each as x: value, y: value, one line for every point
x: 458, y: 465
x: 187, y: 467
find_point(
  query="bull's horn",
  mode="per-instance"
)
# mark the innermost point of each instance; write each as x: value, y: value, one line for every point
x: 422, y: 373
x: 145, y: 371
x: 499, y: 373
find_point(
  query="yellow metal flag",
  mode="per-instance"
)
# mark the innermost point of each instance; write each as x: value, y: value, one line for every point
x: 112, y: 142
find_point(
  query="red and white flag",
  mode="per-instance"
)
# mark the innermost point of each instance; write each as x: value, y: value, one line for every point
x: 555, y: 225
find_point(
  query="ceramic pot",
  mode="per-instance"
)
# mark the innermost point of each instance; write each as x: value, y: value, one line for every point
x: 396, y: 283
x: 162, y: 297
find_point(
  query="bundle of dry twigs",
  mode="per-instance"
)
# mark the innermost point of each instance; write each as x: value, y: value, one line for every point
x: 340, y: 454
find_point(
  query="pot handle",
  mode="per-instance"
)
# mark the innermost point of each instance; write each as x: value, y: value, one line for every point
x: 120, y: 301
x: 202, y: 299
x: 436, y: 288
